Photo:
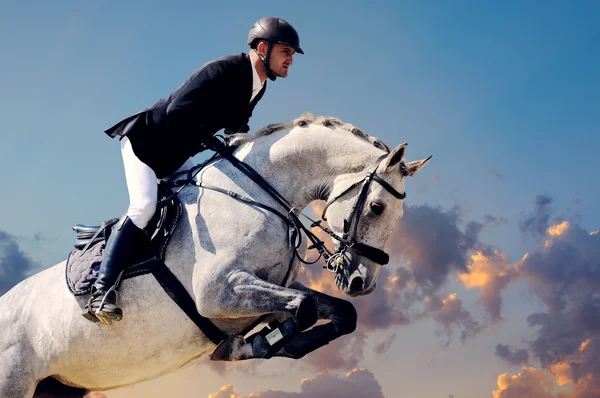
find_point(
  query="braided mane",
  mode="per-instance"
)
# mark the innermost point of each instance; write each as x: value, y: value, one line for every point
x: 305, y: 120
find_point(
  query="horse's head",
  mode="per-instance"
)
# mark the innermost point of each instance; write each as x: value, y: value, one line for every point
x: 362, y: 210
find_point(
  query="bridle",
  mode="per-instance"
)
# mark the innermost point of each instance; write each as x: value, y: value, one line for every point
x: 335, y: 261
x: 348, y: 239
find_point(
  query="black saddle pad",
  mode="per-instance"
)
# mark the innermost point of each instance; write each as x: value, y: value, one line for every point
x: 82, y: 269
x: 83, y: 263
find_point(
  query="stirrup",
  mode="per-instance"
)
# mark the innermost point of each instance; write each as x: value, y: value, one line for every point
x: 99, y: 315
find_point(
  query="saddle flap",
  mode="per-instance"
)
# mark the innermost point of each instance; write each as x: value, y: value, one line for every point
x: 83, y: 263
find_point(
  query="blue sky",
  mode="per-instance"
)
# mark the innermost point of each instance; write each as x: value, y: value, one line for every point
x: 505, y: 95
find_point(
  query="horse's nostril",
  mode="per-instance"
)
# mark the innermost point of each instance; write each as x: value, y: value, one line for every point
x: 357, y: 284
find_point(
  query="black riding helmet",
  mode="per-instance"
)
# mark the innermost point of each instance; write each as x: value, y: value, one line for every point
x: 273, y: 30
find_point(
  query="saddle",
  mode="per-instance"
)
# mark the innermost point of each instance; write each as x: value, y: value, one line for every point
x: 83, y: 262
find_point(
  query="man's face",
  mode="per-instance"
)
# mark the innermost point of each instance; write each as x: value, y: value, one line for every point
x: 281, y: 59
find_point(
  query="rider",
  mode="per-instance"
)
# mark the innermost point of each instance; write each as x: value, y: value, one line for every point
x: 159, y: 141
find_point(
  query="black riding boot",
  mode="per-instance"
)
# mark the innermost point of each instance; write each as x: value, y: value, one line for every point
x: 122, y: 248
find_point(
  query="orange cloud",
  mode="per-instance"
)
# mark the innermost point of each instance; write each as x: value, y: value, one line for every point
x: 564, y: 272
x: 558, y: 229
x: 529, y: 383
x: 563, y: 373
x: 580, y: 369
x: 491, y: 273
x: 227, y: 391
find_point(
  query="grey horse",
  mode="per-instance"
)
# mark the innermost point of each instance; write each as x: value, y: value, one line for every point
x: 234, y: 261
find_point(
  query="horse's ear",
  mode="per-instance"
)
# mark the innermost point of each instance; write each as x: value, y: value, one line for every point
x: 413, y: 167
x: 393, y: 159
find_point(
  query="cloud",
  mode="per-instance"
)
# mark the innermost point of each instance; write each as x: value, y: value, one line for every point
x: 450, y: 314
x: 491, y: 220
x: 344, y: 353
x: 227, y: 391
x: 513, y: 357
x: 383, y: 345
x: 566, y: 266
x: 492, y: 272
x: 15, y: 265
x: 563, y: 272
x: 39, y: 237
x: 383, y: 307
x: 495, y: 173
x: 532, y: 383
x: 538, y: 221
x: 529, y: 383
x: 358, y: 383
x: 430, y: 244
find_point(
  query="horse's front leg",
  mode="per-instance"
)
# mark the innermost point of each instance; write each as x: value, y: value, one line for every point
x: 243, y: 295
x: 340, y: 313
x: 288, y: 338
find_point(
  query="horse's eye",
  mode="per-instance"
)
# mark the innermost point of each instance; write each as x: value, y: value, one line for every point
x: 377, y: 208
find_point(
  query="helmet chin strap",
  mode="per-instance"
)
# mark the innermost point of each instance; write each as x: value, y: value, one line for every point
x: 265, y: 60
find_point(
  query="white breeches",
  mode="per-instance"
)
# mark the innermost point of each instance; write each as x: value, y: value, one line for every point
x: 142, y: 185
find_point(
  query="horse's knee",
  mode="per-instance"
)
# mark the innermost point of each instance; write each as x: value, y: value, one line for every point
x: 307, y: 313
x: 345, y: 317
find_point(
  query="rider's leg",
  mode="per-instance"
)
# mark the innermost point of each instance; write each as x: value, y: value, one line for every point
x: 127, y: 237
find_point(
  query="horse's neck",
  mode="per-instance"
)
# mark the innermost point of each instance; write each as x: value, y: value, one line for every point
x: 303, y: 165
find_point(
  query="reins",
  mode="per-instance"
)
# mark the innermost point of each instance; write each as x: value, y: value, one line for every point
x: 334, y: 261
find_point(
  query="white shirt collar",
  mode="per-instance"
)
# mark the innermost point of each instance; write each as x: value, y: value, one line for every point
x: 256, y: 83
